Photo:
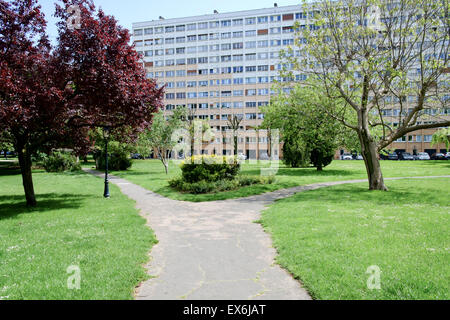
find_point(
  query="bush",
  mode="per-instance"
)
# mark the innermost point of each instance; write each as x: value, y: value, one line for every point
x: 60, y: 162
x: 201, y: 187
x: 118, y: 160
x: 209, y: 169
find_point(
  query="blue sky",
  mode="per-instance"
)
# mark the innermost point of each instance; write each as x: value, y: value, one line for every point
x: 129, y: 11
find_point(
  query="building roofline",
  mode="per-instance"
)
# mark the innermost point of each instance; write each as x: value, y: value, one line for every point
x: 216, y: 16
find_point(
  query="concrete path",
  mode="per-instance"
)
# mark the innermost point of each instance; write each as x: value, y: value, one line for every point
x: 214, y: 250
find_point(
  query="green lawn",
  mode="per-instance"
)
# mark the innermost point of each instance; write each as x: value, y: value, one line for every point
x: 150, y: 175
x: 72, y: 225
x: 328, y: 238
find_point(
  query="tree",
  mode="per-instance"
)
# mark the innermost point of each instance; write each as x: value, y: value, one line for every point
x: 309, y: 136
x: 50, y: 99
x: 234, y: 123
x: 374, y: 56
x: 441, y: 136
x: 159, y: 137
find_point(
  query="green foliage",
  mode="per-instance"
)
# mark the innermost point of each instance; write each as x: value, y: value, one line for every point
x: 310, y: 136
x: 60, y: 162
x: 118, y: 158
x: 209, y: 172
x: 202, y: 186
x: 441, y: 136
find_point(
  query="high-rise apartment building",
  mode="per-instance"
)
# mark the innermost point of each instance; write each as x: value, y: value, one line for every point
x: 225, y: 64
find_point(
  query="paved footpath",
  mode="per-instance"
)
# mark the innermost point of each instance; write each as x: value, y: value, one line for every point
x: 214, y: 250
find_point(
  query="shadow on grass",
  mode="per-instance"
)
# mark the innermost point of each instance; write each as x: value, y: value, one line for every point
x: 14, y: 205
x: 299, y: 172
x: 356, y: 193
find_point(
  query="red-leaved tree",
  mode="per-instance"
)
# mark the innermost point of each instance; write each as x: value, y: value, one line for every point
x: 92, y: 78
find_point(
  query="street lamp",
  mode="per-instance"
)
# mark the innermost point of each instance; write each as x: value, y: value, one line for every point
x: 106, y: 132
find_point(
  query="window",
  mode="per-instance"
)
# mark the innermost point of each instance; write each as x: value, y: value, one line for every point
x: 192, y: 95
x: 181, y: 95
x: 214, y: 24
x: 250, y: 44
x: 287, y: 17
x: 226, y: 46
x: 191, y: 60
x: 250, y: 21
x: 263, y: 55
x: 170, y: 62
x: 214, y: 59
x: 148, y: 31
x: 192, y: 38
x: 202, y: 37
x: 250, y: 69
x: 238, y: 93
x: 191, y: 49
x: 226, y: 35
x: 170, y: 29
x: 263, y: 92
x: 239, y: 69
x: 214, y: 47
x: 170, y: 96
x: 203, y: 25
x: 250, y: 104
x: 300, y: 15
x: 238, y: 57
x: 203, y: 94
x: 250, y: 56
x: 191, y: 27
x: 427, y: 138
x: 138, y: 44
x: 180, y: 50
x: 159, y: 52
x: 181, y: 84
x: 288, y: 29
x: 181, y: 27
x: 226, y: 82
x: 203, y: 48
x: 159, y: 30
x: 275, y: 43
x: 148, y: 42
x: 181, y: 39
x: 419, y: 138
x: 250, y: 33
x: 214, y: 36
x: 263, y: 44
x: 250, y: 116
x: 275, y: 30
x: 181, y: 61
x: 238, y: 45
x: 275, y: 18
x: 226, y: 23
x: 238, y: 34
x: 181, y: 73
x: 203, y: 83
x: 138, y: 32
x: 238, y: 22
x: 238, y: 81
x: 251, y: 80
x: 158, y: 41
x: 192, y: 84
x: 149, y: 53
x: 191, y: 73
x: 263, y: 19
x: 225, y: 58
x: 288, y: 42
x: 263, y: 79
x: 203, y: 60
x: 226, y: 70
x: 169, y: 40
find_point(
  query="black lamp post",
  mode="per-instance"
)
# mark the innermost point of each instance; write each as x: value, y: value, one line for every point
x: 106, y: 131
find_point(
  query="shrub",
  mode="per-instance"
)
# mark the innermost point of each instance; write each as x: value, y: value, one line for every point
x: 60, y: 162
x: 209, y: 169
x: 201, y: 187
x: 118, y: 160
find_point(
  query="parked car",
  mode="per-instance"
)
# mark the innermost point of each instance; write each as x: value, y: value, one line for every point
x: 438, y: 156
x: 137, y: 156
x: 346, y: 156
x: 422, y: 156
x: 447, y: 155
x: 359, y: 157
x: 242, y: 156
x: 405, y: 156
x: 264, y: 156
x: 392, y: 156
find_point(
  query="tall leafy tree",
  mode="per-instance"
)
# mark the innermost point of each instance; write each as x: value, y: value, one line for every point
x: 160, y: 136
x: 441, y: 136
x: 92, y: 78
x: 373, y: 56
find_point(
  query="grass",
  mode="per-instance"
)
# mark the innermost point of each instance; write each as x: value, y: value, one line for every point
x: 72, y: 225
x: 150, y: 175
x: 328, y: 238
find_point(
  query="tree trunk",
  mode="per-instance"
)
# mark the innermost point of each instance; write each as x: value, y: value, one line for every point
x: 27, y: 179
x: 370, y: 154
x: 319, y: 167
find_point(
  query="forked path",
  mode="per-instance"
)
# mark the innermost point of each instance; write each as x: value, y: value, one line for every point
x: 214, y: 250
